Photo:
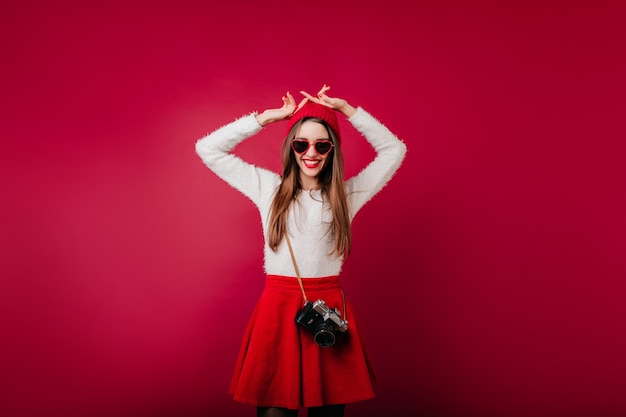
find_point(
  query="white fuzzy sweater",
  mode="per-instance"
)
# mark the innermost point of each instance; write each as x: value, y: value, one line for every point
x: 309, y: 218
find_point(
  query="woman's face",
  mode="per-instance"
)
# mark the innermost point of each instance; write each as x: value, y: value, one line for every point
x: 311, y: 162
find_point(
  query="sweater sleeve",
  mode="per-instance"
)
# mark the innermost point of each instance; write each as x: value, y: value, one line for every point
x: 390, y: 152
x: 215, y: 151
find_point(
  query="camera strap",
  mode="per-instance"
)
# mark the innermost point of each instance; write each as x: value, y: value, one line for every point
x: 295, y: 266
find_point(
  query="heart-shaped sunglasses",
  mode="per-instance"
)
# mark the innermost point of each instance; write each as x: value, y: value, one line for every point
x: 322, y: 147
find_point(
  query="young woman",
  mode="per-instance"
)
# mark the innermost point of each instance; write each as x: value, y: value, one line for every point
x: 306, y: 215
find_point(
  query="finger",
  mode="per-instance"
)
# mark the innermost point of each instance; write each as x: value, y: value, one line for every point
x: 310, y: 97
x: 324, y: 98
x: 323, y: 90
x: 289, y: 99
x: 302, y: 103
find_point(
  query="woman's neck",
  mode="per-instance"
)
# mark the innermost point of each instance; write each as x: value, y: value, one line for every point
x: 309, y: 183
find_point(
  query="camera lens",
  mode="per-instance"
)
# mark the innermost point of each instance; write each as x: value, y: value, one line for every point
x: 324, y: 338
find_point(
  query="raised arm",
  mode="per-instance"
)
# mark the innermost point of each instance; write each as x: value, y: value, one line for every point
x: 215, y: 150
x: 390, y: 151
x: 275, y: 115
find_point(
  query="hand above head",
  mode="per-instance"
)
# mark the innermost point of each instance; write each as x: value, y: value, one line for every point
x: 332, y: 102
x: 288, y: 108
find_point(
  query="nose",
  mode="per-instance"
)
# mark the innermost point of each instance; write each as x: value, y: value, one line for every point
x: 311, y: 152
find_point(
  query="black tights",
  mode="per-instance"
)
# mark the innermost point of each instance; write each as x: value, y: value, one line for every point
x: 323, y: 411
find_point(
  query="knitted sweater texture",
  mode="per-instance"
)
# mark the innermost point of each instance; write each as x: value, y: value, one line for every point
x: 310, y: 216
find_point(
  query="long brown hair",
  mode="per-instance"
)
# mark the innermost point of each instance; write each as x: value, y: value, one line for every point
x: 332, y: 187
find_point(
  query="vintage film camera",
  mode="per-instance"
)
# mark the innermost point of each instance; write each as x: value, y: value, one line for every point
x: 325, y: 323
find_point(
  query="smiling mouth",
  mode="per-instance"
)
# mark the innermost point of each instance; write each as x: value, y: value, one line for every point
x: 311, y: 164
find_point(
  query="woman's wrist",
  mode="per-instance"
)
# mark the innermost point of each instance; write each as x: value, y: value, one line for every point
x: 264, y: 118
x: 347, y: 110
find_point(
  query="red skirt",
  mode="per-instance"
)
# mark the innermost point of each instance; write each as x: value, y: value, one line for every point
x: 279, y: 364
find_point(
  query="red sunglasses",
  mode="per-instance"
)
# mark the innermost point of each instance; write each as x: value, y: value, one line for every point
x: 322, y: 147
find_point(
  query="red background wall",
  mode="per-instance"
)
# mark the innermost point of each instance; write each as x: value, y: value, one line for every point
x: 489, y: 275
